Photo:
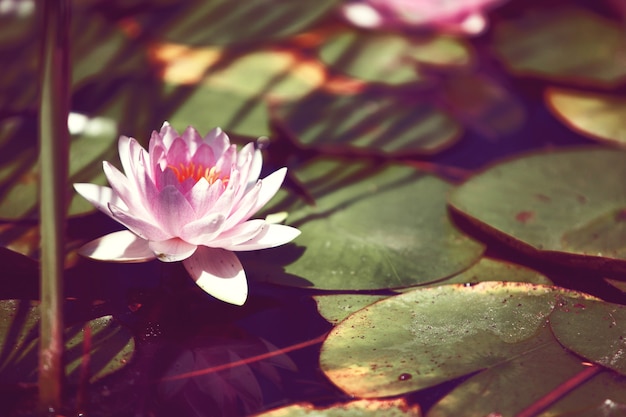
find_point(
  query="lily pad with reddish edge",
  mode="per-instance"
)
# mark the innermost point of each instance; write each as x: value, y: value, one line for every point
x: 599, y: 116
x: 357, y: 408
x: 429, y: 336
x: 565, y: 206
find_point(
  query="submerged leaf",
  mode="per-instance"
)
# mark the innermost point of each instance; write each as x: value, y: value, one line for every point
x: 201, y: 22
x: 367, y: 122
x: 392, y: 58
x: 565, y: 44
x: 110, y: 345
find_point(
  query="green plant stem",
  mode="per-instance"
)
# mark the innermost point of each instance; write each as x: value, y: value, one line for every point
x: 53, y: 162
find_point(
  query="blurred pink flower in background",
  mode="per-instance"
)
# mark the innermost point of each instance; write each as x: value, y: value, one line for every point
x: 188, y: 199
x: 454, y: 16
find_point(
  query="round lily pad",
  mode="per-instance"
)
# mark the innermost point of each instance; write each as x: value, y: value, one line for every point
x: 373, y: 226
x: 531, y: 376
x: 367, y: 123
x: 358, y: 408
x: 595, y: 330
x: 567, y: 206
x: 336, y: 307
x: 111, y: 345
x: 391, y: 58
x: 427, y: 336
x: 565, y: 43
x: 490, y: 269
x: 598, y: 116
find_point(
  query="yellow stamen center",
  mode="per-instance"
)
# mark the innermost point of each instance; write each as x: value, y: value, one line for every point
x: 191, y: 170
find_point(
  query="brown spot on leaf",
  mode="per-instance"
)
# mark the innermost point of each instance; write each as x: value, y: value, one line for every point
x: 621, y: 215
x: 543, y: 198
x: 525, y: 216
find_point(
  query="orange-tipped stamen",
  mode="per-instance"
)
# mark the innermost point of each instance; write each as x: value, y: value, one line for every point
x: 191, y: 170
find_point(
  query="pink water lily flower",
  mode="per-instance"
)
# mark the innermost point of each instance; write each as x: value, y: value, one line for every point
x: 188, y: 199
x: 466, y: 17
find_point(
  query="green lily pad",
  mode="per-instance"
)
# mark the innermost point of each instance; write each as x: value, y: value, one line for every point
x: 565, y: 44
x: 489, y: 269
x: 336, y: 307
x: 428, y: 336
x: 595, y: 330
x: 358, y: 408
x: 597, y: 116
x: 554, y: 205
x: 236, y: 89
x: 531, y: 376
x: 367, y: 123
x: 111, y: 345
x: 373, y: 226
x: 219, y: 22
x: 391, y: 58
x: 229, y: 111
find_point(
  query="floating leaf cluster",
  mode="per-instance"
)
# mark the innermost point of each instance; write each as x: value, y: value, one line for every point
x: 462, y: 204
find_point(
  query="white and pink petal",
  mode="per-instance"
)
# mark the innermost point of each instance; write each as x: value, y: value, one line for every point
x: 142, y: 228
x: 166, y: 136
x: 192, y: 138
x: 122, y: 246
x: 271, y: 236
x: 218, y: 141
x: 172, y: 210
x: 203, y: 230
x: 269, y: 187
x: 255, y: 169
x: 172, y: 250
x: 219, y: 273
x: 125, y: 190
x: 100, y: 196
x: 239, y: 234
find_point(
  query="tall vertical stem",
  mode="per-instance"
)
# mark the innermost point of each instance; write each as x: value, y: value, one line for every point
x: 53, y: 162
